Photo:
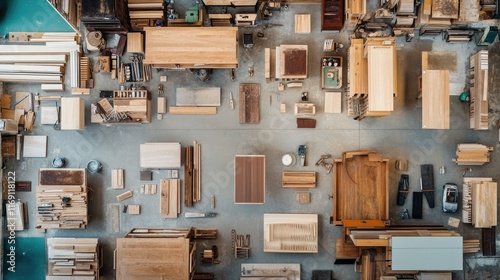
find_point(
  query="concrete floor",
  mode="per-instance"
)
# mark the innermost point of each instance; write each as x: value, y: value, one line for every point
x: 398, y: 136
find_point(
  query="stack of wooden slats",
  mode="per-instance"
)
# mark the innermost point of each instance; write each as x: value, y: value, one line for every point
x: 192, y: 174
x: 44, y: 63
x: 473, y: 154
x: 298, y: 179
x: 144, y: 13
x: 435, y: 16
x: 85, y: 73
x: 77, y: 257
x: 479, y: 205
x: 479, y: 90
x: 471, y: 246
x: 62, y: 199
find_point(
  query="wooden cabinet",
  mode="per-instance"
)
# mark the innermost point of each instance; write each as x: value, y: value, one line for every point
x: 332, y: 14
x: 72, y: 113
x: 479, y: 90
x: 73, y: 258
x: 165, y: 254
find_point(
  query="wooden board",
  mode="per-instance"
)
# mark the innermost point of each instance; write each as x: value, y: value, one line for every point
x: 6, y: 100
x: 170, y: 197
x: 381, y: 76
x: 435, y: 99
x: 158, y: 258
x: 192, y: 47
x: 358, y: 68
x: 135, y: 42
x: 192, y: 110
x: 291, y: 233
x: 298, y: 179
x: 306, y: 123
x: 202, y: 96
x: 249, y: 179
x: 8, y: 146
x: 303, y: 23
x: 249, y: 103
x: 188, y: 175
x: 333, y: 102
x: 445, y: 9
x: 48, y: 115
x: 357, y: 196
x: 72, y: 113
x: 160, y: 155
x: 117, y: 179
x: 35, y: 146
x: 484, y: 204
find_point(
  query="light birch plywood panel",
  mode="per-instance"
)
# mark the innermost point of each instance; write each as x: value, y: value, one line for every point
x: 160, y: 155
x: 302, y: 23
x: 381, y: 78
x: 333, y: 102
x: 209, y: 96
x: 35, y: 146
x: 436, y: 99
x: 72, y: 113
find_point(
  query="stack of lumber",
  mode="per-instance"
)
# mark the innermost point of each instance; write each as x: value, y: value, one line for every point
x: 291, y: 233
x: 298, y: 179
x: 372, y: 70
x: 62, y: 199
x: 435, y: 16
x: 144, y: 13
x: 471, y: 246
x: 479, y: 90
x: 192, y: 174
x: 76, y: 257
x: 45, y: 63
x: 479, y: 205
x: 473, y: 154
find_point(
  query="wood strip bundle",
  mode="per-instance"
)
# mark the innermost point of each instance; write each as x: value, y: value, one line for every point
x: 170, y: 205
x: 479, y: 205
x: 479, y: 90
x: 144, y: 13
x: 62, y: 199
x: 473, y: 154
x: 73, y: 257
x: 291, y: 233
x: 298, y: 179
x: 192, y: 174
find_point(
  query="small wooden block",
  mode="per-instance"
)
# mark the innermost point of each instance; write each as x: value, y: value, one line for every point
x: 283, y: 108
x: 146, y: 175
x: 134, y: 209
x: 453, y: 222
x: 117, y: 181
x: 163, y: 78
x: 125, y: 195
x: 281, y: 86
x: 302, y: 23
x: 303, y: 197
x: 6, y: 101
x: 104, y: 64
x: 402, y: 164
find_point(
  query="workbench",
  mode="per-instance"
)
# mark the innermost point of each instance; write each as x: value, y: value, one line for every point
x: 191, y: 47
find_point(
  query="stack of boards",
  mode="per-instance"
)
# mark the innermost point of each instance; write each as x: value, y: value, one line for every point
x: 144, y: 12
x: 75, y: 257
x: 473, y: 154
x: 41, y: 63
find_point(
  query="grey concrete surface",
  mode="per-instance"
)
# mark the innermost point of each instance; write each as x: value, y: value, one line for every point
x: 398, y: 136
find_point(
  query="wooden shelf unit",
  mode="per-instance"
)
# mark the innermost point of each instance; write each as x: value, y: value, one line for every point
x: 73, y: 258
x: 172, y: 250
x: 478, y: 73
x: 332, y: 15
x: 135, y: 103
x: 55, y: 185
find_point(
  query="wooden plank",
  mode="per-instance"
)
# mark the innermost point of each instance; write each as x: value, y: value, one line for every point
x: 333, y: 102
x: 162, y: 105
x: 249, y: 179
x: 192, y: 110
x: 306, y: 123
x: 381, y: 78
x: 484, y: 203
x: 72, y: 113
x: 160, y: 155
x: 302, y: 23
x: 6, y: 101
x: 249, y: 103
x: 125, y: 195
x: 188, y: 176
x: 435, y: 99
x: 208, y: 47
x: 201, y: 96
x: 169, y: 198
x: 35, y: 146
x: 358, y: 68
x: 117, y: 179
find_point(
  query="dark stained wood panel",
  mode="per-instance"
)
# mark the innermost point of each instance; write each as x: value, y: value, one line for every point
x: 249, y: 179
x: 306, y: 123
x: 62, y: 177
x: 249, y: 103
x: 360, y: 187
x: 332, y: 14
x: 188, y: 176
x: 298, y: 57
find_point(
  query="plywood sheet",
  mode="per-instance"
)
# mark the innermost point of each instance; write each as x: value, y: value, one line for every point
x: 357, y: 196
x: 436, y: 99
x: 191, y: 46
x: 249, y: 103
x: 72, y: 113
x: 333, y: 102
x: 249, y: 179
x: 381, y: 78
x: 48, y: 115
x: 484, y: 204
x: 200, y: 96
x: 35, y: 146
x: 445, y: 9
x: 160, y: 155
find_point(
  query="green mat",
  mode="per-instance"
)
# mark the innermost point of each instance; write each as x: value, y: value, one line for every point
x: 30, y: 262
x: 30, y: 16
